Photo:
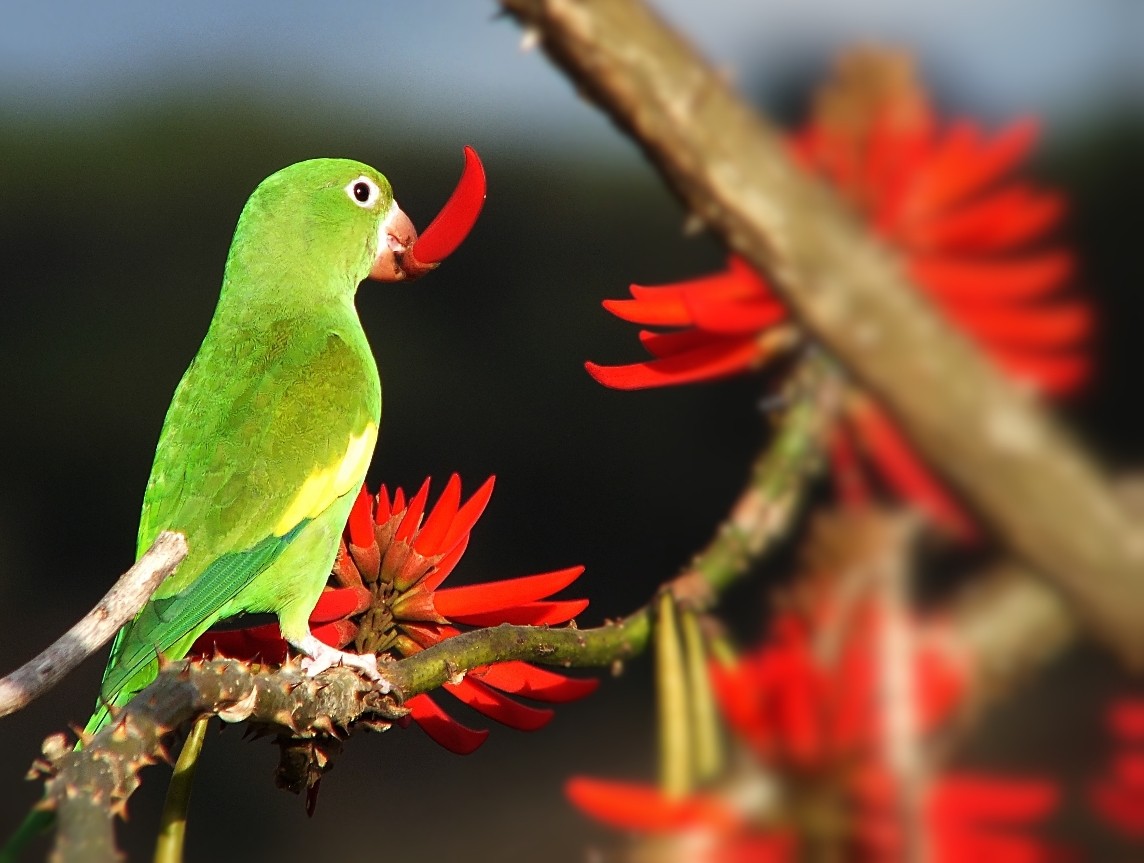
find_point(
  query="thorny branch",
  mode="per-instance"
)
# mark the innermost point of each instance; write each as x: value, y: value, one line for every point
x: 119, y: 605
x: 88, y: 786
x: 1033, y: 485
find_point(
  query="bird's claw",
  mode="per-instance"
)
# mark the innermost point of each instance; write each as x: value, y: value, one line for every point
x: 320, y: 656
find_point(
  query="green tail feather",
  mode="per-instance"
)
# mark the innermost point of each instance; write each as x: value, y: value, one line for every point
x: 38, y: 822
x: 169, y: 625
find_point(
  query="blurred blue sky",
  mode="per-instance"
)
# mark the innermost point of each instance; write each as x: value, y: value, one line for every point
x: 457, y: 63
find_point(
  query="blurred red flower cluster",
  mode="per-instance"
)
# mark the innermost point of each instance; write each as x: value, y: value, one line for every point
x: 812, y: 705
x: 975, y: 241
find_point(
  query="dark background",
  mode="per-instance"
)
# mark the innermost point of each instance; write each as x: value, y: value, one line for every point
x: 116, y: 209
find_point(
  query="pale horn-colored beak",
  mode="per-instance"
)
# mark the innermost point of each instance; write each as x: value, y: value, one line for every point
x: 395, y: 237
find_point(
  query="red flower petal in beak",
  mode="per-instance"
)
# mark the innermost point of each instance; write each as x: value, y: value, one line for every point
x: 455, y: 220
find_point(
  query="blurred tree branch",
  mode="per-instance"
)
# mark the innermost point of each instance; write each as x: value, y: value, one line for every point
x: 1033, y: 485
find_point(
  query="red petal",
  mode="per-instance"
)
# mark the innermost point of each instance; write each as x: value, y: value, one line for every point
x: 384, y: 509
x: 1009, y: 217
x: 980, y: 799
x: 255, y: 642
x: 628, y: 806
x: 494, y: 595
x: 963, y: 164
x: 338, y: 634
x: 345, y: 571
x: 360, y: 523
x: 444, y: 567
x: 1128, y: 768
x: 426, y: 634
x: 335, y: 603
x: 540, y: 684
x: 412, y: 518
x: 904, y: 471
x: 736, y: 688
x: 721, y: 359
x: 943, y: 670
x: 526, y: 614
x: 457, y: 217
x: 1053, y: 374
x: 1120, y: 807
x: 737, y: 282
x: 734, y: 318
x: 398, y: 501
x: 498, y: 706
x: 796, y: 707
x: 443, y: 728
x: 429, y: 538
x: 1053, y: 327
x: 468, y: 514
x: 954, y: 280
x: 958, y: 846
x: 667, y: 344
x: 651, y: 311
x: 646, y: 809
x: 1126, y: 718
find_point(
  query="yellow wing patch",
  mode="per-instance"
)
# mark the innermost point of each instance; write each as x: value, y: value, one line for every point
x: 324, y: 486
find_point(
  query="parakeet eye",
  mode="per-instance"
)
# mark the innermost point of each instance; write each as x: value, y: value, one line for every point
x: 363, y: 191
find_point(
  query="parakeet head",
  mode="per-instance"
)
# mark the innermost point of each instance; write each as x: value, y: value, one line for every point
x: 334, y: 218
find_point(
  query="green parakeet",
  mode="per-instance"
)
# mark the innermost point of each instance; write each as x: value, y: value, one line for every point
x: 269, y: 434
x: 270, y: 431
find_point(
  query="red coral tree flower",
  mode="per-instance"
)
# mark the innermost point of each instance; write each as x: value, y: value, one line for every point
x: 817, y: 715
x: 973, y: 241
x: 810, y: 704
x: 387, y: 598
x: 1118, y: 796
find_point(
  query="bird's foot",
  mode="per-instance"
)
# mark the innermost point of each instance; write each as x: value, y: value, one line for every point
x: 320, y: 656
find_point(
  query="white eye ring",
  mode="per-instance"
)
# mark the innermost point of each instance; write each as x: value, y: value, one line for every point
x: 363, y: 191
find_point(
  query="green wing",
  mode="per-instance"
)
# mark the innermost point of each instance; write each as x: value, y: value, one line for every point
x: 168, y: 625
x: 266, y: 432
